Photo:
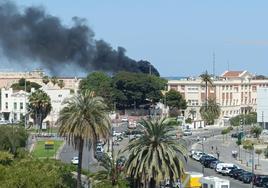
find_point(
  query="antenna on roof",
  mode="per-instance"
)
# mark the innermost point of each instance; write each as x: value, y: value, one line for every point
x: 214, y: 62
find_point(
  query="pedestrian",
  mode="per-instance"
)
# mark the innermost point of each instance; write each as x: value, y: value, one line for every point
x: 216, y: 148
x: 212, y: 148
x: 218, y: 155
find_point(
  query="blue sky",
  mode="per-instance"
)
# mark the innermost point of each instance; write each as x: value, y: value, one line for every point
x: 178, y: 37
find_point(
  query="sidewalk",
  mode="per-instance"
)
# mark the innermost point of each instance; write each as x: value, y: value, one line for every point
x: 225, y: 148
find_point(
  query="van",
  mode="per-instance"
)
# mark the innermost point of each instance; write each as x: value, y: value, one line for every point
x: 220, y: 166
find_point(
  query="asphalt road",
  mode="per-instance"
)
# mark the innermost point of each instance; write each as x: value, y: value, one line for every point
x: 90, y: 163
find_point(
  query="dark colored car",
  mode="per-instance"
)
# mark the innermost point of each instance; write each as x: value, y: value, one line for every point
x: 234, y: 135
x: 265, y: 185
x: 245, y: 173
x: 205, y: 158
x: 207, y: 162
x: 233, y: 173
x: 213, y: 164
x: 246, y: 177
x: 260, y: 180
x: 238, y: 174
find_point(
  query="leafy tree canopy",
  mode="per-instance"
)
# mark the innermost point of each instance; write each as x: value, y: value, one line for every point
x: 21, y: 85
x: 36, y: 174
x: 175, y: 100
x: 244, y: 119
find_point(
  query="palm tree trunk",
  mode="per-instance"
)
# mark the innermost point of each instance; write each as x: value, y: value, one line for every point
x: 79, y: 167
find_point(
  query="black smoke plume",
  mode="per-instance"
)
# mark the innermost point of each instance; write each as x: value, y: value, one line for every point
x: 34, y: 35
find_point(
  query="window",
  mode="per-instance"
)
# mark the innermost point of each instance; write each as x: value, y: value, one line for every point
x: 15, y: 106
x: 15, y: 117
x: 6, y: 105
x: 224, y: 186
x: 205, y: 185
x: 21, y: 105
x: 6, y: 95
x: 59, y: 95
x: 211, y: 186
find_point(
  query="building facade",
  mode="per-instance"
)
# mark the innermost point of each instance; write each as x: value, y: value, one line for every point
x: 262, y: 107
x: 234, y: 91
x: 13, y: 105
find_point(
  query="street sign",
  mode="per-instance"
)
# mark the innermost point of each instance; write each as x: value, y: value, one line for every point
x: 49, y: 145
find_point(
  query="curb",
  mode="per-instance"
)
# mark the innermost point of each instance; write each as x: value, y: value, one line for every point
x: 60, y: 150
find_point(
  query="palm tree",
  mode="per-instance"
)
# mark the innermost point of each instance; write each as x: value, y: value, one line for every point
x: 112, y: 173
x: 45, y: 80
x: 192, y: 112
x: 61, y: 84
x: 54, y: 80
x: 155, y: 156
x: 39, y: 106
x: 210, y: 111
x: 205, y: 77
x: 82, y: 121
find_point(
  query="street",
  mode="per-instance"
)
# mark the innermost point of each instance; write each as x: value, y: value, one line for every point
x: 90, y: 163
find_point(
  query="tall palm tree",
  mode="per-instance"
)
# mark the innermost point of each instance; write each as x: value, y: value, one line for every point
x: 155, y: 156
x: 210, y: 111
x: 83, y: 121
x: 39, y: 106
x: 45, y: 80
x: 54, y: 80
x: 61, y: 84
x: 206, y: 78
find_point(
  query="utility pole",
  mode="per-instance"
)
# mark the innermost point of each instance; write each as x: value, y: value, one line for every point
x: 253, y: 165
x: 203, y: 168
x: 25, y: 107
x: 262, y: 117
x: 214, y: 62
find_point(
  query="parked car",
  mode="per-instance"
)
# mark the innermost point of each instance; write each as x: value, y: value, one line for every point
x: 237, y: 174
x: 227, y: 170
x: 75, y: 160
x: 265, y: 185
x: 124, y: 119
x: 260, y: 180
x: 234, y: 171
x: 205, y: 158
x: 246, y: 177
x: 213, y: 164
x: 198, y: 155
x: 187, y: 132
x: 208, y: 161
x: 194, y: 152
x: 220, y: 166
x: 235, y: 135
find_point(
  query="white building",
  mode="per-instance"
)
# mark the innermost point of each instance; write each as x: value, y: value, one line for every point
x: 262, y: 107
x: 234, y: 91
x: 57, y: 96
x: 13, y: 104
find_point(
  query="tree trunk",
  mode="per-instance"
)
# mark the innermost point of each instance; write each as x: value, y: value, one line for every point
x: 79, y: 167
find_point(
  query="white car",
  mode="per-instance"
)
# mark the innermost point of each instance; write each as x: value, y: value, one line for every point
x: 124, y: 119
x: 198, y: 155
x: 75, y: 160
x: 187, y: 132
x: 115, y: 134
x: 221, y: 167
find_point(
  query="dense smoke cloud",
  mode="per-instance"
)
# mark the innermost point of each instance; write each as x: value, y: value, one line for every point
x: 39, y: 37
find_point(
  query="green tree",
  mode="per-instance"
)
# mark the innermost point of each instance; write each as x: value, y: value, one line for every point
x: 22, y: 84
x: 111, y: 176
x: 132, y: 89
x: 256, y: 130
x: 12, y: 138
x: 210, y: 111
x: 84, y: 120
x: 45, y: 80
x: 206, y: 78
x: 36, y: 174
x: 54, y: 80
x: 39, y: 106
x: 175, y: 101
x: 155, y: 155
x: 101, y: 84
x: 192, y: 112
x: 258, y: 152
x: 61, y: 84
